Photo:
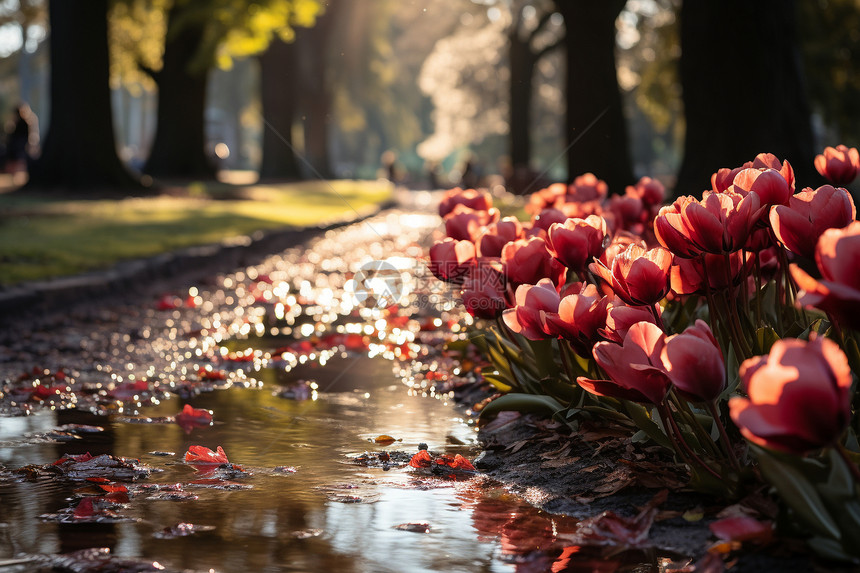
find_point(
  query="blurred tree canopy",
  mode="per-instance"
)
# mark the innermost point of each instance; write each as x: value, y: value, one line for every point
x: 177, y: 44
x: 830, y: 41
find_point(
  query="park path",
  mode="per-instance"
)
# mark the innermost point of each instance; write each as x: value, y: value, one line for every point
x: 153, y: 329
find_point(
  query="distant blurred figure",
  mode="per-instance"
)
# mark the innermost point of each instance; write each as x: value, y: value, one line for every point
x: 433, y: 178
x: 22, y: 138
x: 389, y: 164
x: 471, y: 174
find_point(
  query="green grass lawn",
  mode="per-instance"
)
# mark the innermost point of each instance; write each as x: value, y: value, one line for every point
x: 42, y: 237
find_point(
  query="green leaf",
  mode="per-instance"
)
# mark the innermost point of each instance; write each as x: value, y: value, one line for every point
x: 521, y: 403
x: 798, y: 493
x: 830, y: 549
x: 544, y: 357
x: 498, y: 381
x: 561, y: 390
x: 765, y: 339
x: 643, y: 421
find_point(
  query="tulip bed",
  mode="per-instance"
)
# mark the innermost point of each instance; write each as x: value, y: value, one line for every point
x: 722, y: 327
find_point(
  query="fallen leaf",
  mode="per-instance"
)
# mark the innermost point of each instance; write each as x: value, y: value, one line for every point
x: 742, y: 528
x: 384, y: 440
x: 203, y: 455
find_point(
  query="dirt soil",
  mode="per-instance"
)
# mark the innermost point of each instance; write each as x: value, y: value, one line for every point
x: 597, y: 469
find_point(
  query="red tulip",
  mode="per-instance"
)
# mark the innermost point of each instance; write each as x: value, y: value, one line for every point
x: 799, y: 396
x: 769, y: 184
x: 838, y: 292
x: 619, y: 243
x: 694, y: 362
x: 483, y: 291
x: 672, y: 232
x: 546, y: 218
x: 532, y: 301
x: 635, y: 368
x: 497, y: 235
x: 579, y: 318
x: 723, y: 178
x: 450, y: 259
x: 765, y: 161
x: 540, y: 200
x: 839, y: 165
x: 465, y: 224
x: 720, y: 222
x: 619, y: 319
x: 628, y: 213
x: 477, y: 200
x: 526, y: 261
x: 650, y: 191
x: 687, y: 276
x: 587, y: 187
x: 808, y: 214
x: 576, y: 241
x: 637, y: 276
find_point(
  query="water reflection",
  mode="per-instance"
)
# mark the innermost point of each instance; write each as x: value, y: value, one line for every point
x: 287, y: 521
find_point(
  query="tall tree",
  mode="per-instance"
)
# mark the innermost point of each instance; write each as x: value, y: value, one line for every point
x: 744, y: 93
x: 179, y: 148
x: 79, y: 150
x: 200, y: 35
x: 316, y: 93
x: 595, y: 125
x: 279, y: 84
x: 523, y: 55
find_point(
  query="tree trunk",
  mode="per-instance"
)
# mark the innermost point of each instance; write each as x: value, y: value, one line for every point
x: 316, y: 96
x: 743, y: 93
x: 179, y: 148
x: 592, y: 94
x: 278, y: 96
x: 522, y: 64
x: 79, y: 151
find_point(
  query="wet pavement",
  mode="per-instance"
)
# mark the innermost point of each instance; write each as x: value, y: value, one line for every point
x: 318, y: 397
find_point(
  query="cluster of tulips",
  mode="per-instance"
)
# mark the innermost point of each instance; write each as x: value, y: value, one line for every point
x: 723, y: 327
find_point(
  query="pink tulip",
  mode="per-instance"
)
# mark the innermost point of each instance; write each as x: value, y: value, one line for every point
x: 694, y: 363
x: 531, y: 302
x: 465, y: 224
x: 477, y: 200
x: 838, y: 292
x: 576, y: 241
x: 546, y: 218
x: 450, y: 259
x: 808, y: 214
x: 769, y: 184
x: 620, y: 317
x: 483, y: 291
x: 650, y: 191
x: 497, y: 235
x: 526, y: 261
x: 799, y: 396
x: 635, y: 368
x: 638, y: 276
x: 839, y: 165
x: 672, y: 232
x: 579, y: 318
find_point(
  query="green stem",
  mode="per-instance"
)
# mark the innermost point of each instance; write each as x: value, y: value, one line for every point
x: 684, y: 409
x: 685, y: 446
x: 566, y: 361
x: 757, y: 290
x: 724, y: 437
